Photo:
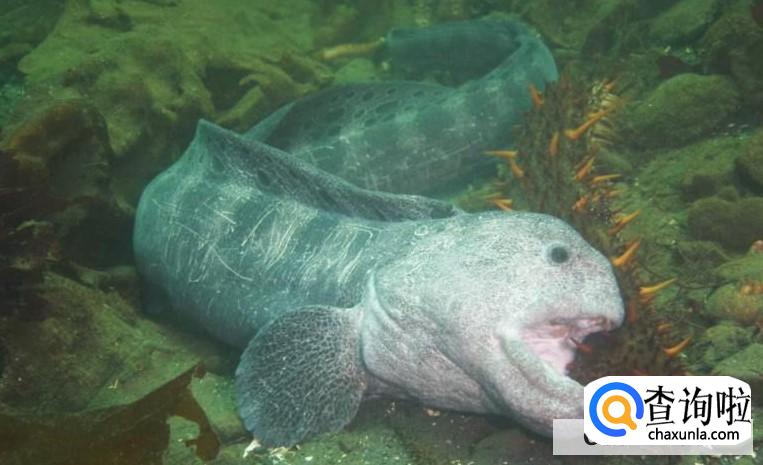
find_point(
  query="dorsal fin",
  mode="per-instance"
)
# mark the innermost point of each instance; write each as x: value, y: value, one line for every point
x: 346, y: 107
x: 279, y: 173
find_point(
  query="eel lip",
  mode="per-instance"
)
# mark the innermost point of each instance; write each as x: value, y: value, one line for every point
x: 541, y: 353
x: 555, y: 341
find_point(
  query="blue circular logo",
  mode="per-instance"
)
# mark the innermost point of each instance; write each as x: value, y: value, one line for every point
x: 625, y: 418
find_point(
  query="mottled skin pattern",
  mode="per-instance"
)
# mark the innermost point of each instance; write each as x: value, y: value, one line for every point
x: 339, y: 293
x: 419, y: 138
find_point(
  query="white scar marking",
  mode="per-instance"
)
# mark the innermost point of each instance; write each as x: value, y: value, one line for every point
x: 280, y: 240
x: 257, y: 225
x: 201, y: 269
x: 165, y: 205
x: 280, y: 244
x: 355, y: 231
x: 213, y: 250
x: 224, y: 216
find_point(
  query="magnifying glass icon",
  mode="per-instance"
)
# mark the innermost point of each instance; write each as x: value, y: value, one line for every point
x: 625, y: 418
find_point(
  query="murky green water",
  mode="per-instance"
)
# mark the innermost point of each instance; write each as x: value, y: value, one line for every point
x: 648, y: 142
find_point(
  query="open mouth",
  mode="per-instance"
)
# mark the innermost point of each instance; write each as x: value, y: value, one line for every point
x: 541, y: 353
x: 555, y: 341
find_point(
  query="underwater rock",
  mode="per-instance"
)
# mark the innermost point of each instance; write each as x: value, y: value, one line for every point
x: 64, y: 146
x: 684, y: 22
x: 28, y: 21
x: 510, y: 446
x: 749, y: 165
x: 755, y: 437
x: 674, y: 176
x: 591, y: 26
x: 712, y: 219
x: 108, y: 14
x: 217, y: 398
x: 733, y: 46
x: 749, y: 221
x: 433, y: 436
x: 64, y: 364
x: 428, y: 12
x: 671, y: 65
x: 729, y: 193
x: 730, y: 302
x: 358, y: 69
x: 699, y: 259
x: 242, y: 98
x: 702, y: 184
x: 27, y: 250
x: 29, y: 245
x: 122, y: 279
x: 734, y: 224
x: 180, y: 445
x: 679, y: 110
x: 55, y: 203
x: 343, y: 23
x: 148, y: 94
x: 746, y: 365
x: 62, y: 153
x: 123, y: 434
x: 95, y: 232
x: 721, y: 341
x: 747, y: 268
x: 152, y: 70
x: 94, y: 359
x: 11, y: 53
x: 94, y: 374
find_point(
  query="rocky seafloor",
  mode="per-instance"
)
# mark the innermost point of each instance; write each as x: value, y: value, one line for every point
x: 97, y: 96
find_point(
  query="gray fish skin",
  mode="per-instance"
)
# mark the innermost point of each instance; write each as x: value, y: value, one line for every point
x: 339, y: 293
x: 213, y: 222
x: 413, y: 137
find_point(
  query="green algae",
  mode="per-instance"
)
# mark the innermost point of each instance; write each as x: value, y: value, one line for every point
x: 152, y: 82
x: 746, y: 365
x: 664, y: 182
x: 747, y: 268
x: 720, y: 342
x: 598, y: 25
x: 749, y: 165
x: 732, y: 46
x: 734, y: 224
x: 703, y: 184
x: 712, y: 219
x: 684, y: 22
x: 25, y: 23
x: 666, y: 172
x: 699, y: 259
x: 681, y: 109
x: 728, y: 303
x: 153, y: 68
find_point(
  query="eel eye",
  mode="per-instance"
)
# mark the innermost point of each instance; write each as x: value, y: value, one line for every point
x: 559, y: 254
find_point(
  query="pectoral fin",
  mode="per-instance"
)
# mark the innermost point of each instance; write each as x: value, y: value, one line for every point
x: 301, y: 376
